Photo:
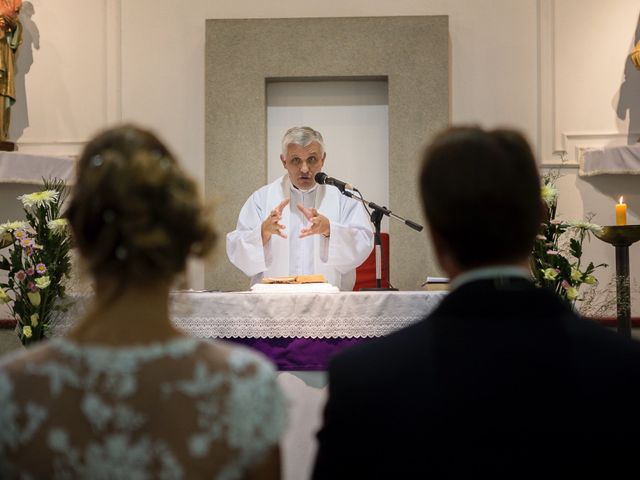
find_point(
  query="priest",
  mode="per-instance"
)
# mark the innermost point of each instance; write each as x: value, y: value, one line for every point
x: 294, y: 226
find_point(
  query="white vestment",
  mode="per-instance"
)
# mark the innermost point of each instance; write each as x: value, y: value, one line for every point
x: 336, y: 257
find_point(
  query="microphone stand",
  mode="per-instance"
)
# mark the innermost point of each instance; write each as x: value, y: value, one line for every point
x: 376, y: 218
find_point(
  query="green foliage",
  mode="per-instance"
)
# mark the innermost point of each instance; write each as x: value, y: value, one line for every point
x: 556, y: 260
x: 37, y: 260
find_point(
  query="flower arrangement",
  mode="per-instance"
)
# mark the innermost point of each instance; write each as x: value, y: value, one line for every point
x: 556, y: 260
x: 37, y: 261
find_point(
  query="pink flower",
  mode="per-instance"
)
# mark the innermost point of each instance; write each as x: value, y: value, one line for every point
x: 32, y: 287
x: 26, y: 242
x: 552, y: 252
x: 566, y: 285
x: 20, y: 234
x: 30, y: 271
x: 41, y: 268
x: 21, y: 276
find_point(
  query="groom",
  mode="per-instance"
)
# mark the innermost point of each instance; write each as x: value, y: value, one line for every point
x: 502, y: 380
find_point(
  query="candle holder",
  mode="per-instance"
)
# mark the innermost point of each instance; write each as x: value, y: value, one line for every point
x: 621, y: 237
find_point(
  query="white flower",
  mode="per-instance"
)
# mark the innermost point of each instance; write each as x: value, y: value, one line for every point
x: 582, y: 225
x: 26, y: 331
x: 549, y: 193
x: 39, y: 199
x: 4, y: 298
x: 576, y: 275
x: 34, y: 319
x: 43, y: 282
x: 34, y: 298
x: 11, y: 226
x: 58, y: 226
x: 590, y: 280
x: 550, y: 273
x: 572, y: 293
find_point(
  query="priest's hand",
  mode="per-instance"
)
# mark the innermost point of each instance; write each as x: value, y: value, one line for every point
x: 272, y: 223
x: 318, y: 223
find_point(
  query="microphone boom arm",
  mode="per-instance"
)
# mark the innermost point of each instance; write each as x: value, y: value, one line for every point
x: 384, y: 211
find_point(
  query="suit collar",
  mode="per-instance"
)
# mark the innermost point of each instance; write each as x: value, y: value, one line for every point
x: 498, y: 296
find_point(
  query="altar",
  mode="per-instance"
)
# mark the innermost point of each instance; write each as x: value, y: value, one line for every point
x: 229, y: 315
x: 313, y: 322
x: 298, y: 332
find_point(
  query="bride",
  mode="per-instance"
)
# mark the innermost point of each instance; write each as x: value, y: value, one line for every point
x: 125, y: 395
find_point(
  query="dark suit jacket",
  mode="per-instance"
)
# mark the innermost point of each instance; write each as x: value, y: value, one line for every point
x: 501, y: 380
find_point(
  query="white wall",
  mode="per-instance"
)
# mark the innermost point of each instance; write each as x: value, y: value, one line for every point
x: 553, y: 68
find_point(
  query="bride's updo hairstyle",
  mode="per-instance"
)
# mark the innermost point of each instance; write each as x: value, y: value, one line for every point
x: 135, y: 214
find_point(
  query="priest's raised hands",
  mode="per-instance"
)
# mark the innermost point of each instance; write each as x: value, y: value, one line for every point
x: 272, y: 225
x: 318, y: 223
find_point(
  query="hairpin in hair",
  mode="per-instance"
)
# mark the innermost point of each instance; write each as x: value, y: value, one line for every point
x: 96, y: 161
x: 121, y: 253
x: 108, y: 216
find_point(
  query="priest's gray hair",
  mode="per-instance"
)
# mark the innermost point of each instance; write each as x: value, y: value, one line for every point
x: 302, y: 136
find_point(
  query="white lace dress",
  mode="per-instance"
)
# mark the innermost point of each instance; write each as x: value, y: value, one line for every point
x: 187, y: 408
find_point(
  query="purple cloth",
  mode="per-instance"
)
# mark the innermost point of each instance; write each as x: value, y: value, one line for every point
x: 298, y: 354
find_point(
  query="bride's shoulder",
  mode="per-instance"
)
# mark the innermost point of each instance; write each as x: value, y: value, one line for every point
x: 20, y: 358
x: 236, y: 359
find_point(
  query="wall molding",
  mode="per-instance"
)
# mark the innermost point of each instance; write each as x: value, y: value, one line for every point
x: 547, y: 120
x: 551, y: 141
x: 113, y: 61
x: 56, y: 148
x: 577, y: 143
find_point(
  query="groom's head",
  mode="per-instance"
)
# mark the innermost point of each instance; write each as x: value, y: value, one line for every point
x: 481, y: 196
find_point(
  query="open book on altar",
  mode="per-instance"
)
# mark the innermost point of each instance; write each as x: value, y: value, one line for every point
x: 436, y: 283
x: 295, y: 279
x: 295, y: 284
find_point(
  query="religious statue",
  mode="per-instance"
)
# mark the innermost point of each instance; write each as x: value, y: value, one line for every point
x: 635, y: 56
x: 10, y: 38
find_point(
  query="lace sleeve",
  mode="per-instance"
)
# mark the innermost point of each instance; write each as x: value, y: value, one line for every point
x: 254, y: 390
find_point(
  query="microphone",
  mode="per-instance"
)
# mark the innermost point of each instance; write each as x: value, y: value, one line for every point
x: 323, y: 179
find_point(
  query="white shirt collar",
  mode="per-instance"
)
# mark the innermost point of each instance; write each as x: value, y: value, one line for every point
x: 296, y: 189
x: 485, y: 273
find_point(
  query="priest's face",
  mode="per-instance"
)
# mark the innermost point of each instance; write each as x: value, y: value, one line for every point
x: 302, y: 164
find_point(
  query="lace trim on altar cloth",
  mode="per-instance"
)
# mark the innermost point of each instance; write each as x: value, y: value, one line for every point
x: 286, y: 327
x: 294, y: 327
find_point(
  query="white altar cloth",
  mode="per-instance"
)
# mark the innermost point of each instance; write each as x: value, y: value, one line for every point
x: 621, y: 159
x: 280, y: 315
x: 16, y: 167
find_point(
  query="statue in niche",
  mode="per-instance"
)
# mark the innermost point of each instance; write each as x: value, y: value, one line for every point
x: 628, y: 107
x: 10, y: 37
x: 635, y: 56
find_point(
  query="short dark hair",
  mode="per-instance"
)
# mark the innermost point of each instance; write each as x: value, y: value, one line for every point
x: 481, y: 194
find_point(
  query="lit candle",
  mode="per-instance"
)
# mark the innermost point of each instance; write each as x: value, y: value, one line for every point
x: 621, y: 213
